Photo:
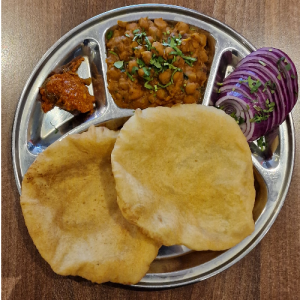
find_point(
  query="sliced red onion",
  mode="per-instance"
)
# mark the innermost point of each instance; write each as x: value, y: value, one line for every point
x: 263, y: 108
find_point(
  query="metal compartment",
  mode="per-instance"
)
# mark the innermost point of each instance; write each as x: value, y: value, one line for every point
x: 33, y: 131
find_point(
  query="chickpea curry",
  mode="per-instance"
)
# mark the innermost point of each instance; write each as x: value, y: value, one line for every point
x: 151, y: 63
x: 67, y: 90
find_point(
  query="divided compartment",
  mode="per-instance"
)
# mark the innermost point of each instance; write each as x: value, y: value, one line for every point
x: 210, y: 47
x: 270, y: 157
x: 44, y: 129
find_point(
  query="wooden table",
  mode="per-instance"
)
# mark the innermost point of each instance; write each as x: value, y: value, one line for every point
x: 270, y: 271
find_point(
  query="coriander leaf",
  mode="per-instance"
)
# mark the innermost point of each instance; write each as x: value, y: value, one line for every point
x: 164, y: 86
x: 134, y: 70
x: 135, y: 31
x: 288, y: 67
x: 261, y: 143
x: 140, y: 62
x: 126, y: 34
x: 119, y: 64
x: 262, y: 63
x: 109, y: 34
x: 293, y: 76
x: 148, y: 44
x: 114, y: 53
x: 131, y: 78
x: 146, y: 71
x: 148, y: 86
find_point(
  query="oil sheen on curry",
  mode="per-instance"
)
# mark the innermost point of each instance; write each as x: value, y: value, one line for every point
x: 152, y: 63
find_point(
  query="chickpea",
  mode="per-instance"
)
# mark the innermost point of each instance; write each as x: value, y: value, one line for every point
x: 200, y: 38
x: 131, y: 64
x: 195, y: 44
x: 135, y: 93
x: 150, y: 38
x: 151, y: 98
x: 182, y: 27
x: 132, y: 26
x: 178, y: 78
x: 114, y: 74
x: 143, y: 22
x: 167, y: 54
x: 125, y: 54
x: 138, y: 50
x: 179, y: 63
x: 127, y: 32
x: 201, y: 76
x: 158, y: 48
x: 202, y: 55
x: 189, y: 99
x: 134, y: 44
x: 155, y: 32
x: 191, y: 75
x: 160, y: 23
x: 190, y: 88
x: 165, y: 77
x: 141, y: 72
x: 123, y: 84
x: 122, y: 24
x: 146, y: 55
x: 161, y: 94
x: 186, y: 45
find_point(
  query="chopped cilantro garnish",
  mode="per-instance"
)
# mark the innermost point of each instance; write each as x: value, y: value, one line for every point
x: 140, y: 62
x: 146, y: 72
x: 262, y: 63
x: 119, y: 64
x: 112, y: 52
x: 148, y: 86
x: 279, y: 77
x: 56, y: 130
x: 293, y: 76
x: 135, y: 31
x: 131, y: 78
x: 288, y: 67
x: 126, y: 34
x: 219, y: 83
x: 148, y: 44
x: 261, y: 143
x: 182, y: 89
x: 239, y: 120
x: 134, y: 70
x: 109, y: 34
x: 253, y: 84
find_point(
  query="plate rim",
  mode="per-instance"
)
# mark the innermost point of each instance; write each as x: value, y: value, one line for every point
x: 236, y: 35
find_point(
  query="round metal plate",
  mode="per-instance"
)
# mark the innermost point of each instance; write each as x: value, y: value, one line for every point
x: 33, y: 131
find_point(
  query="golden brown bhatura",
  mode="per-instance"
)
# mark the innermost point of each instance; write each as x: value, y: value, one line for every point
x: 184, y: 175
x: 69, y: 203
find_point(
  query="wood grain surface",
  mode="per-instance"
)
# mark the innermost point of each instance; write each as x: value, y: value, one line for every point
x: 29, y: 28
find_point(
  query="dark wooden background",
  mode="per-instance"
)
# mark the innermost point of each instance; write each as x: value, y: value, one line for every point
x: 29, y: 28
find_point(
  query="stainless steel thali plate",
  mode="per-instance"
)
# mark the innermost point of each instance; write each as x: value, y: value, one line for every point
x: 33, y: 130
